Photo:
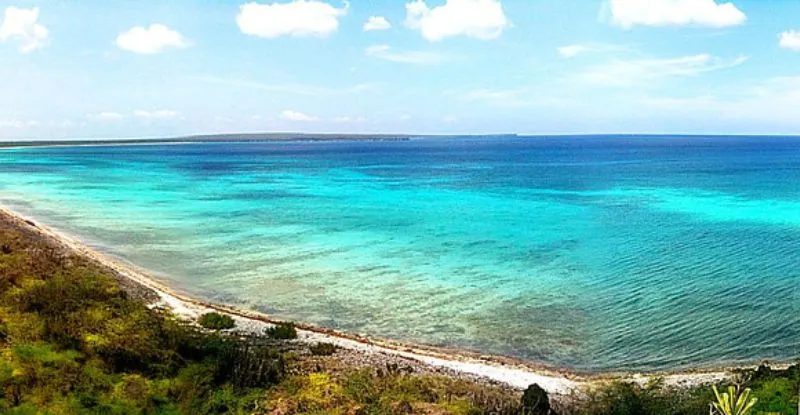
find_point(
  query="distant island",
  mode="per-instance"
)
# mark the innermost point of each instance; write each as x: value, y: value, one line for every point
x: 234, y: 137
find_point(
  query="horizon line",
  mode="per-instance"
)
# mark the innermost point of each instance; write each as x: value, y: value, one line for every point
x: 333, y: 136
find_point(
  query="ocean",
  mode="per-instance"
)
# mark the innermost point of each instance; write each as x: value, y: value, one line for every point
x: 595, y: 253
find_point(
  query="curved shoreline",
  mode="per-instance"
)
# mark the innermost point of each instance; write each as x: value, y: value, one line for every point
x: 512, y: 372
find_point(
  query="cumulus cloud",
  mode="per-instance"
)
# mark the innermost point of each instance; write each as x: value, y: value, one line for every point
x: 156, y: 114
x: 377, y: 23
x: 150, y: 40
x: 385, y: 52
x: 297, y: 116
x: 790, y: 40
x: 22, y: 26
x: 298, y: 18
x: 709, y: 13
x: 479, y: 19
x: 640, y: 71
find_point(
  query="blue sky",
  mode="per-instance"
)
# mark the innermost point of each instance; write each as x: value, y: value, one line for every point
x: 105, y: 69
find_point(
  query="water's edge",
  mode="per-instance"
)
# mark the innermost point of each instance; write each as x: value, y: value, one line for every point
x: 511, y: 371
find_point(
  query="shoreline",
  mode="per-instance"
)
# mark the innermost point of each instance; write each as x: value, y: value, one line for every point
x: 494, y: 369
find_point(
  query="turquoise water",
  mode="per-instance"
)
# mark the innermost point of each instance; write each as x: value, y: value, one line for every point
x: 591, y: 253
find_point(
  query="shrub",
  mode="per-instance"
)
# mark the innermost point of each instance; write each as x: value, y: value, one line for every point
x: 282, y: 331
x: 247, y: 366
x: 71, y: 341
x: 322, y: 349
x: 216, y: 321
x: 535, y: 401
x: 617, y: 398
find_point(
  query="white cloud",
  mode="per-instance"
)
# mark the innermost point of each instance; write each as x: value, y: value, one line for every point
x: 385, y: 52
x: 298, y: 18
x: 348, y: 120
x: 709, y: 13
x: 500, y: 97
x: 18, y: 124
x: 640, y: 71
x: 10, y: 124
x: 790, y: 40
x: 151, y: 40
x: 450, y: 119
x: 162, y: 114
x: 291, y: 115
x: 480, y: 19
x: 156, y: 115
x: 107, y: 116
x: 377, y: 23
x: 771, y: 103
x: 288, y: 88
x: 22, y: 25
x: 571, y: 51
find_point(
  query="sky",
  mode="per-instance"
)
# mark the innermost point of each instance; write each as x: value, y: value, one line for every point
x: 115, y: 69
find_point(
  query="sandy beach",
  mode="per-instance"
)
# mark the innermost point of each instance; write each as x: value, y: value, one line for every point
x: 494, y: 369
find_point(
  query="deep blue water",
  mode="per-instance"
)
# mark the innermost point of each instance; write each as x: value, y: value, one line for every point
x: 592, y: 253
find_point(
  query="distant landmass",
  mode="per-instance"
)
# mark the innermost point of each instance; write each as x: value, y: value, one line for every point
x: 243, y: 137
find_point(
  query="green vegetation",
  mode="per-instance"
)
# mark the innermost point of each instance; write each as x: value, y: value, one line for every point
x: 772, y: 392
x: 535, y: 401
x: 322, y: 349
x: 282, y: 331
x: 216, y: 321
x: 733, y: 402
x: 387, y: 392
x: 73, y: 342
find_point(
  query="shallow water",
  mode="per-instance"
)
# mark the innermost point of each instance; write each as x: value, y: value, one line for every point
x: 592, y: 253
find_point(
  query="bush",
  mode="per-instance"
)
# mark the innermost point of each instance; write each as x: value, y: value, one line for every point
x: 216, y: 321
x: 535, y: 401
x: 71, y: 341
x: 618, y: 398
x: 777, y: 396
x: 246, y: 366
x: 322, y: 349
x: 282, y: 331
x: 368, y: 392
